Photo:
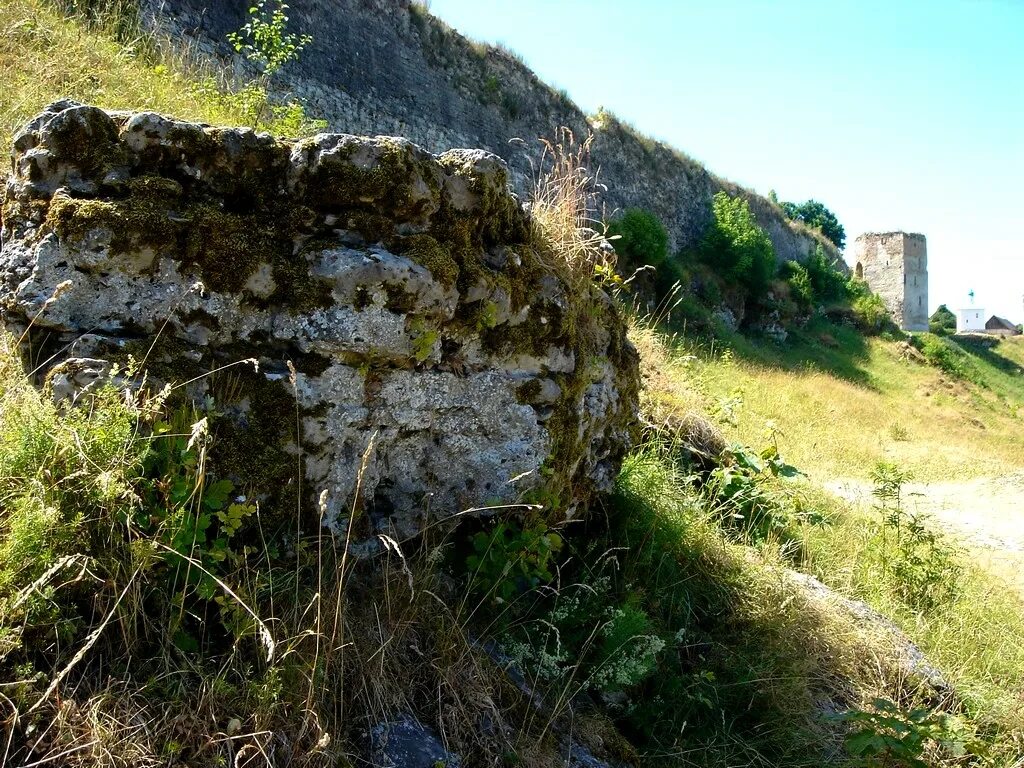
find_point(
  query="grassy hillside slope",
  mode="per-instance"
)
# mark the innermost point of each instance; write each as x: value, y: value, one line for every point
x: 45, y: 57
x: 836, y: 404
x: 840, y: 402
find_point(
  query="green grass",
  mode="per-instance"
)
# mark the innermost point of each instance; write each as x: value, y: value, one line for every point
x: 976, y: 639
x: 837, y: 403
x: 750, y: 662
x: 45, y: 56
x: 834, y: 397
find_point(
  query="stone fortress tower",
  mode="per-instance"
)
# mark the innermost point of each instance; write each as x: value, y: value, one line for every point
x: 895, y: 266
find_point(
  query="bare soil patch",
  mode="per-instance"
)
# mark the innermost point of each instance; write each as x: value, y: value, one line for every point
x: 985, y: 514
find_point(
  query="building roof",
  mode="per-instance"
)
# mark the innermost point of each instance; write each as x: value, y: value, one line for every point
x: 1000, y: 322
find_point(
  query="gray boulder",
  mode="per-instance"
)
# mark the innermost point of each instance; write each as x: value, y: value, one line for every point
x: 406, y: 743
x: 407, y: 331
x: 914, y: 666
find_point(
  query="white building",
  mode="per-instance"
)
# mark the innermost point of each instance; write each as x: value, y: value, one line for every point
x: 971, y: 320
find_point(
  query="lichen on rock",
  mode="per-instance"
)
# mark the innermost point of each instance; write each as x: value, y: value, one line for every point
x: 414, y: 338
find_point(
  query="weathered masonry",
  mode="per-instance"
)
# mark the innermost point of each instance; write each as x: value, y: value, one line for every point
x: 895, y: 266
x: 408, y: 336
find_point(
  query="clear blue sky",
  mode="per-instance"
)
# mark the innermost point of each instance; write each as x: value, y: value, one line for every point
x: 896, y: 115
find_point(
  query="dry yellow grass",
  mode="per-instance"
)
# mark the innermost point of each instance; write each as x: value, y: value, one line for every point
x: 44, y: 57
x: 830, y: 427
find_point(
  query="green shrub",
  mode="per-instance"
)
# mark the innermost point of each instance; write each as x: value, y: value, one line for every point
x: 265, y: 43
x: 49, y: 506
x: 690, y: 312
x: 640, y: 239
x: 263, y: 39
x: 189, y: 516
x: 889, y: 735
x: 947, y: 356
x: 510, y: 559
x: 828, y: 284
x: 590, y: 636
x: 869, y: 311
x: 737, y: 248
x: 750, y: 504
x: 923, y: 567
x: 629, y: 648
x: 799, y: 282
x: 943, y: 322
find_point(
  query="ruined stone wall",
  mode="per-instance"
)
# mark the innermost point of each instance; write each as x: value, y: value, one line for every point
x: 915, y: 275
x: 895, y: 266
x: 387, y: 67
x: 389, y: 320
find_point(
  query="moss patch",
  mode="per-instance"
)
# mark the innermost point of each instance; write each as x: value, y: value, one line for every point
x: 224, y: 247
x: 297, y: 288
x: 252, y: 448
x: 429, y: 253
x: 88, y: 141
x: 373, y: 227
x: 227, y: 248
x: 144, y: 218
x: 528, y: 392
x: 389, y: 181
x: 399, y: 300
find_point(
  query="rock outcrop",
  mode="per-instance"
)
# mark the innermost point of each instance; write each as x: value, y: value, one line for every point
x: 413, y: 343
x: 915, y: 669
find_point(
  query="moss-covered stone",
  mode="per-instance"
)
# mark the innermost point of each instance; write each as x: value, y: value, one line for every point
x: 388, y: 175
x: 228, y: 247
x: 253, y: 218
x: 429, y: 253
x: 245, y: 169
x: 143, y: 218
x: 225, y: 247
x: 87, y: 139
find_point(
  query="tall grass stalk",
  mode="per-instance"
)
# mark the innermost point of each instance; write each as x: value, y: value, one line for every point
x: 563, y: 209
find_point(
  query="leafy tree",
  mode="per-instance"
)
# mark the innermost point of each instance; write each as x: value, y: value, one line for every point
x: 814, y: 214
x: 737, y: 247
x: 943, y: 322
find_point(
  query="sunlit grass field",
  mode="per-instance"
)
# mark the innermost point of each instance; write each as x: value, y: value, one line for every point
x: 839, y: 403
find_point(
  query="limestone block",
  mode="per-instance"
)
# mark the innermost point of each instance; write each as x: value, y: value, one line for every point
x: 414, y: 351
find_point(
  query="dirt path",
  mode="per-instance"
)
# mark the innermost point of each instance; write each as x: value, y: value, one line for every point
x: 986, y: 514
